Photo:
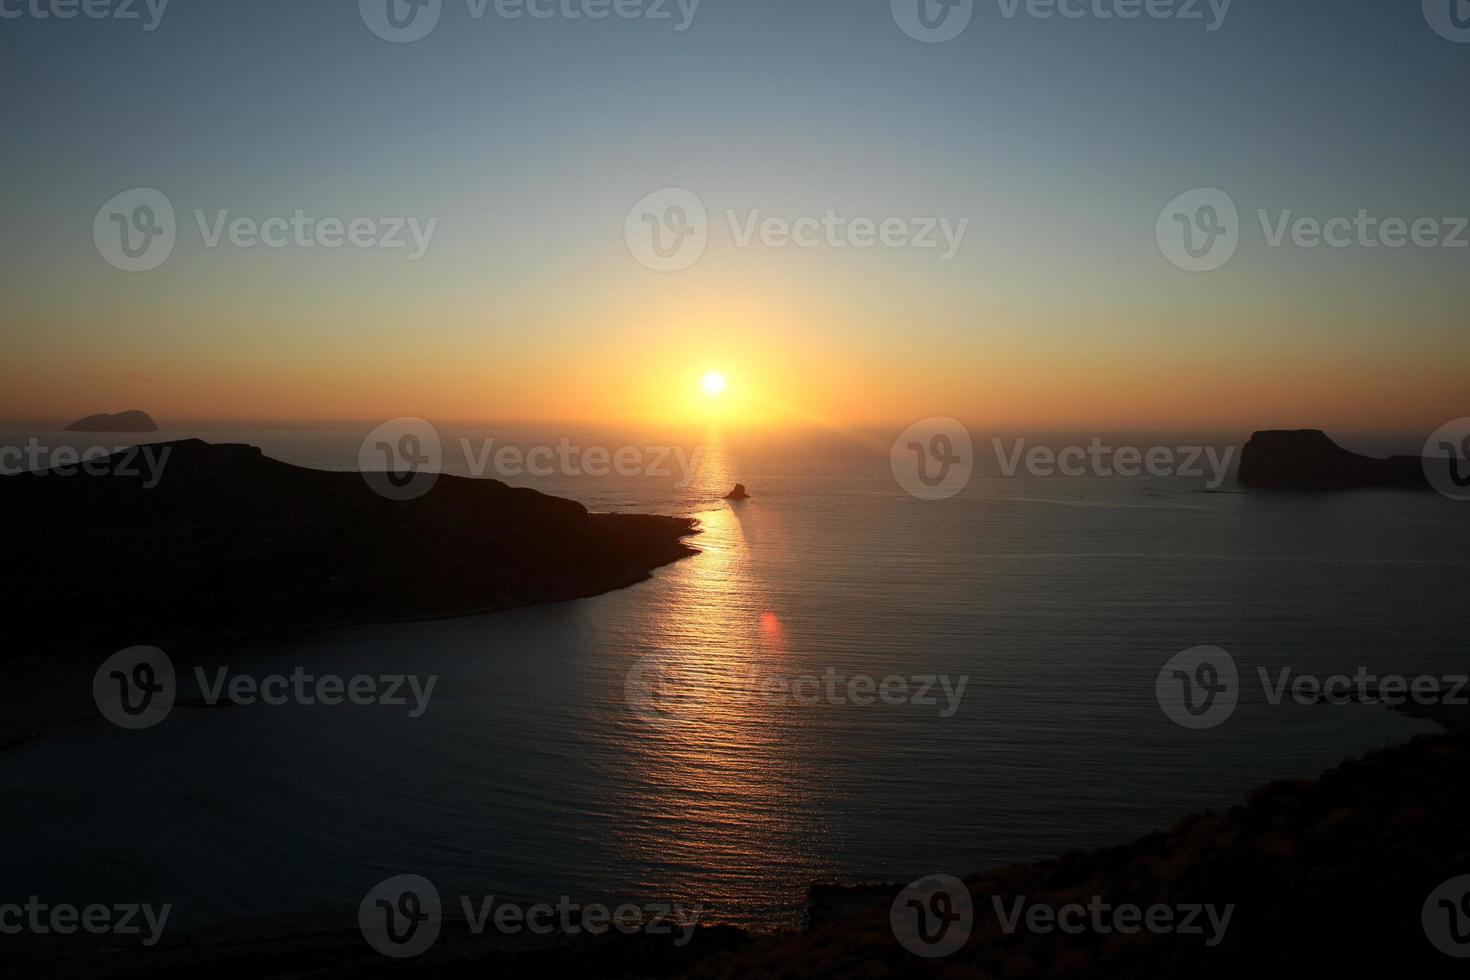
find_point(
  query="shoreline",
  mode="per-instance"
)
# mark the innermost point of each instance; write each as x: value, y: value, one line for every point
x: 846, y: 925
x: 29, y: 688
x: 230, y: 544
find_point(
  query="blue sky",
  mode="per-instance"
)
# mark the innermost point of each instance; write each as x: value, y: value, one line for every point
x: 529, y: 139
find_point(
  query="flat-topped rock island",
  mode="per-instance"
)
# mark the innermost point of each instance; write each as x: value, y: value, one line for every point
x: 1306, y: 459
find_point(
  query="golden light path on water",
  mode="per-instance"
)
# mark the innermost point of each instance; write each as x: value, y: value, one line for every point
x: 721, y: 780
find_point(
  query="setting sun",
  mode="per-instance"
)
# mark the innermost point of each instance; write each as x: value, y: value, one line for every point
x: 714, y: 383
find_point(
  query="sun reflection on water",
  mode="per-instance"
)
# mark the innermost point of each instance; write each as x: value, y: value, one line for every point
x: 717, y: 780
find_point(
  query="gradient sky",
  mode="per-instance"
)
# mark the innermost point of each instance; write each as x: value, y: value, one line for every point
x: 529, y: 140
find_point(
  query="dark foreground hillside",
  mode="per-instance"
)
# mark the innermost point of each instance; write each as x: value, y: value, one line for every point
x: 1327, y: 877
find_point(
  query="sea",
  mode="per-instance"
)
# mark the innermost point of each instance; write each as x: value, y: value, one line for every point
x: 849, y: 682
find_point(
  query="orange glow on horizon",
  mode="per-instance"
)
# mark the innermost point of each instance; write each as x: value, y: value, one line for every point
x: 781, y: 371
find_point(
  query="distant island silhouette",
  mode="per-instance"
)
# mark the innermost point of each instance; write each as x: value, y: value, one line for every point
x: 738, y: 493
x: 1306, y: 459
x: 129, y: 421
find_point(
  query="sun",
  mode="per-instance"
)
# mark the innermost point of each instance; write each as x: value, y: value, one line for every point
x: 714, y: 383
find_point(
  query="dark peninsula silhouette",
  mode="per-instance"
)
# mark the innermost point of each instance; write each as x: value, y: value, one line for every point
x: 230, y: 541
x: 130, y: 421
x: 1306, y: 459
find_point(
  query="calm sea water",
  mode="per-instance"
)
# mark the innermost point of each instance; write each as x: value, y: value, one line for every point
x: 535, y: 773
